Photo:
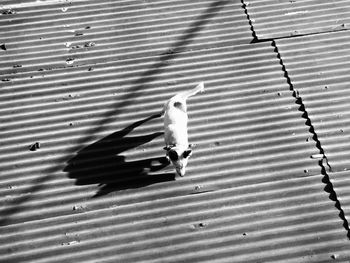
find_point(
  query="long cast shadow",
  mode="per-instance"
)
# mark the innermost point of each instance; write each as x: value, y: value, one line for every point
x: 101, y: 163
x: 158, y: 67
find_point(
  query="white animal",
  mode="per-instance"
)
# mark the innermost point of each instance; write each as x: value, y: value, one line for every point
x: 175, y: 129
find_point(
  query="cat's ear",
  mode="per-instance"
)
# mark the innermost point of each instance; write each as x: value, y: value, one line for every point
x: 167, y: 148
x: 187, y: 153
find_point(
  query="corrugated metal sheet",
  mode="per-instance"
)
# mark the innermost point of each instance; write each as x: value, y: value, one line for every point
x: 285, y: 18
x: 82, y: 173
x: 77, y: 33
x: 272, y: 222
x: 319, y: 70
x: 341, y: 182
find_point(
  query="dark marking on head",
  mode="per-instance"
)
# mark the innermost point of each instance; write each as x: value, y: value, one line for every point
x: 179, y: 105
x: 173, y: 155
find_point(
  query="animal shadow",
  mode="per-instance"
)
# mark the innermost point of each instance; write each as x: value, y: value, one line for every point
x: 101, y: 163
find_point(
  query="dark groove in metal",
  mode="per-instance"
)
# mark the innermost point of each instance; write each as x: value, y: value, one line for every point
x: 256, y: 40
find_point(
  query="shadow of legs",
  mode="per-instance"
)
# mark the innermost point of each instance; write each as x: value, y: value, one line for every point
x: 102, y: 163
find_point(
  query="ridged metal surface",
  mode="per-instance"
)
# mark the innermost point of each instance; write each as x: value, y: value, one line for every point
x: 276, y: 221
x: 95, y: 188
x: 76, y: 33
x: 341, y: 182
x: 319, y: 70
x: 285, y: 18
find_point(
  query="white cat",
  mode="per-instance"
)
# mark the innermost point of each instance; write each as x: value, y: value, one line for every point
x: 175, y: 129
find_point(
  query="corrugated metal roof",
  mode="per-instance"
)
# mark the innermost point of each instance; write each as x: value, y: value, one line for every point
x: 285, y: 18
x: 341, y: 182
x: 278, y: 221
x: 318, y: 69
x: 82, y: 172
x: 247, y: 91
x: 85, y: 32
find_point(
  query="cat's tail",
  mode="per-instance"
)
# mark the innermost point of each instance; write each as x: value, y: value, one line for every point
x: 194, y: 91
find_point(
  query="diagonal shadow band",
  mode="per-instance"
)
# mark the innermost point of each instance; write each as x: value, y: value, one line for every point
x: 16, y: 205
